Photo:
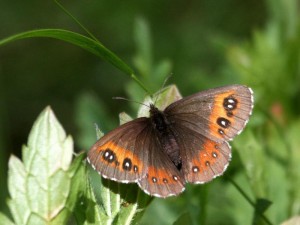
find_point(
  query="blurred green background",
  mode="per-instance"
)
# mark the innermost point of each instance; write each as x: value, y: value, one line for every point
x: 202, y: 44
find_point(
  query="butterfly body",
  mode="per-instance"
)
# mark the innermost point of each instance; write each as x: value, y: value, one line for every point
x: 165, y: 136
x: 185, y: 142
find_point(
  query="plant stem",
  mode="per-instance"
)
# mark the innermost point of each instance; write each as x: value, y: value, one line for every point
x: 248, y: 199
x: 76, y: 21
x: 133, y: 76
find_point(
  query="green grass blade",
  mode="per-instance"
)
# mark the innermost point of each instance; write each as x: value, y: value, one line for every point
x: 75, y: 20
x: 82, y: 41
x: 77, y: 39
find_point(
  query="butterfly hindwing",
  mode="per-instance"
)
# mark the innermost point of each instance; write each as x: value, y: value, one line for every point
x: 202, y: 158
x: 163, y: 179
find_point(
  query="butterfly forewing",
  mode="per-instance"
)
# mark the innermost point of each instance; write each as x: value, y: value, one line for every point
x: 218, y: 114
x: 121, y: 153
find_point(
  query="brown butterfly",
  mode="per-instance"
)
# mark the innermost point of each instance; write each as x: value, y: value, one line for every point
x: 185, y: 143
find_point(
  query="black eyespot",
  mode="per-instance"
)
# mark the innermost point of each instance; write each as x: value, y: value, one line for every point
x: 230, y: 103
x: 175, y: 178
x: 165, y: 180
x: 214, y: 154
x: 154, y: 179
x: 135, y: 169
x: 207, y: 163
x: 221, y: 131
x: 195, y: 169
x: 127, y: 164
x: 229, y: 114
x: 109, y: 155
x: 223, y: 122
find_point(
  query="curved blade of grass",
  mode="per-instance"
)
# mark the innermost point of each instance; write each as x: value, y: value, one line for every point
x: 75, y: 20
x: 79, y: 40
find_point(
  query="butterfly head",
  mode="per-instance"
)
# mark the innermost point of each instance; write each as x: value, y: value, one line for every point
x: 158, y: 119
x: 153, y: 108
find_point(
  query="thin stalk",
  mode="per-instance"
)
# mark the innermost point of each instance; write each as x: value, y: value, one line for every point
x: 133, y: 76
x: 76, y: 21
x: 239, y: 189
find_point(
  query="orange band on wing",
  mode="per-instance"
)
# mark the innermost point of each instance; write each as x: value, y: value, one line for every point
x: 224, y: 108
x: 207, y: 155
x: 161, y: 176
x: 211, y: 161
x: 120, y: 157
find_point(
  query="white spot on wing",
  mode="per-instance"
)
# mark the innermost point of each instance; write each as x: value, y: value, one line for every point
x: 223, y: 123
x: 199, y: 182
x: 230, y: 100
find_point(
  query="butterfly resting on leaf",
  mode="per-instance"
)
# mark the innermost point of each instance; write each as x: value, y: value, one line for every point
x: 187, y: 142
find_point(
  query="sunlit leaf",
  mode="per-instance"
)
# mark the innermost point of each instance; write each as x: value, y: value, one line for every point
x: 42, y: 188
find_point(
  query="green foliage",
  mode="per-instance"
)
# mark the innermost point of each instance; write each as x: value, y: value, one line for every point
x: 5, y: 220
x: 45, y: 187
x: 153, y: 74
x: 269, y: 151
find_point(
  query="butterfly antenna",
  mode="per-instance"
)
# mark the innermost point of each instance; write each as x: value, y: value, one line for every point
x: 129, y: 100
x: 162, y: 87
x: 166, y: 80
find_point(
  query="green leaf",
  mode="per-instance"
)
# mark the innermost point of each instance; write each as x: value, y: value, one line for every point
x: 43, y: 188
x: 153, y: 74
x: 5, y: 220
x: 79, y: 40
x: 293, y: 167
x: 185, y: 218
x: 161, y: 99
x: 292, y: 221
x: 166, y: 96
x: 17, y: 190
x: 261, y: 206
x: 116, y: 203
x: 124, y: 118
x: 89, y: 110
x: 77, y: 172
x: 143, y: 58
x: 252, y: 156
x: 90, y: 212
